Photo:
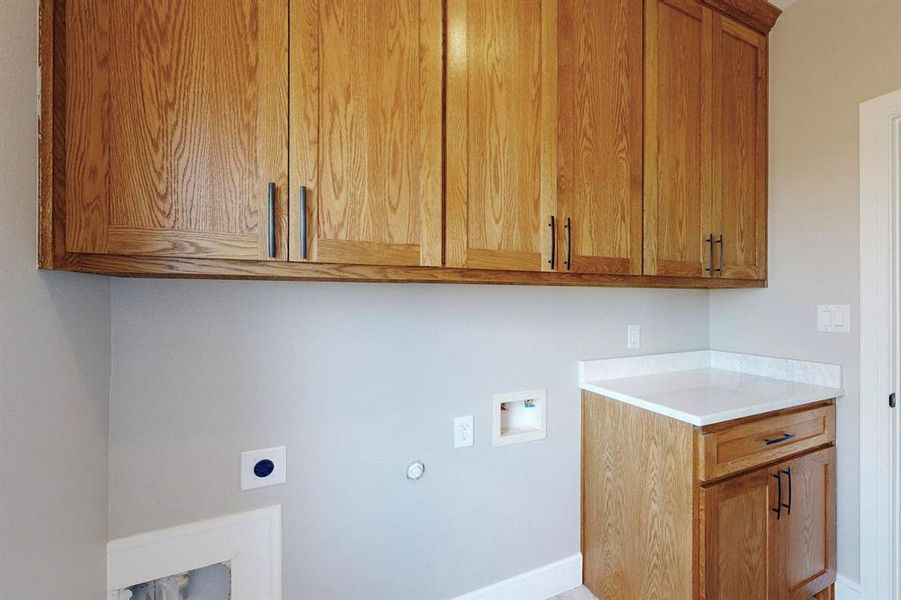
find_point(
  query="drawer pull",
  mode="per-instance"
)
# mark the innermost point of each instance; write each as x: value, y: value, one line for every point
x: 782, y: 438
x: 553, y: 260
x: 271, y: 219
x: 779, y: 505
x: 787, y: 507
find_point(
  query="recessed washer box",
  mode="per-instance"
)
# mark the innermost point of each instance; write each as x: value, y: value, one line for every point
x: 519, y: 417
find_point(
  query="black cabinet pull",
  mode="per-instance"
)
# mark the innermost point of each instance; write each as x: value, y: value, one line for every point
x: 553, y: 261
x: 303, y: 222
x: 778, y: 509
x: 720, y: 268
x: 782, y: 438
x: 271, y: 219
x: 788, y: 507
x: 569, y: 243
x: 709, y: 240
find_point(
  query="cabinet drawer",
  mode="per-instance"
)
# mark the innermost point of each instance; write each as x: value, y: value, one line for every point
x: 749, y: 444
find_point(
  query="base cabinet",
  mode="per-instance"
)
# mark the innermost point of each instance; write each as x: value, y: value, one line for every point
x: 654, y: 519
x: 770, y: 533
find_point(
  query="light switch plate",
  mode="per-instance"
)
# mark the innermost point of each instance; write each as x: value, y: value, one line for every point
x: 261, y: 468
x: 834, y: 318
x: 633, y: 336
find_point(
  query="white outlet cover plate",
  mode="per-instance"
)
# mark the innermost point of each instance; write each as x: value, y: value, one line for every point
x: 463, y: 432
x: 249, y: 459
x: 633, y: 337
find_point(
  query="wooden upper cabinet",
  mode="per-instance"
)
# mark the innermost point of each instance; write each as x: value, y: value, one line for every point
x: 501, y: 134
x: 176, y: 123
x: 677, y: 150
x: 740, y: 149
x: 807, y: 532
x: 366, y: 129
x: 570, y: 142
x: 599, y: 135
x: 739, y: 538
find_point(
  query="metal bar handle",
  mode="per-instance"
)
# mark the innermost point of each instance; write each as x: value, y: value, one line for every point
x: 553, y: 261
x: 569, y: 243
x: 303, y: 222
x: 778, y: 509
x: 709, y: 240
x: 722, y: 256
x: 782, y: 438
x: 271, y: 219
x: 788, y: 507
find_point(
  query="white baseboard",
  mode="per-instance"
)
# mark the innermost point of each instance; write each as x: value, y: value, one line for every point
x: 845, y: 589
x: 538, y: 584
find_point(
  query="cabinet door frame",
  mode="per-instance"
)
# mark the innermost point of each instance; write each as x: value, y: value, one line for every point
x: 823, y: 458
x: 459, y: 252
x: 710, y: 497
x: 653, y: 264
x: 720, y: 27
x: 622, y: 114
x: 169, y: 224
x: 306, y: 110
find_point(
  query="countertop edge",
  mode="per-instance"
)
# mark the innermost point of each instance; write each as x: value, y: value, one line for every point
x: 700, y: 421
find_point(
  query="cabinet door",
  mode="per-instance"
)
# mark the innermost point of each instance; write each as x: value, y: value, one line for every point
x: 366, y: 131
x: 739, y: 134
x: 739, y: 537
x: 175, y: 125
x: 501, y: 133
x: 677, y: 151
x: 599, y: 127
x: 806, y: 551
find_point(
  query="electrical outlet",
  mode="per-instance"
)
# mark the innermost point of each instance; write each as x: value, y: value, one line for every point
x: 261, y: 468
x: 633, y: 338
x: 463, y: 432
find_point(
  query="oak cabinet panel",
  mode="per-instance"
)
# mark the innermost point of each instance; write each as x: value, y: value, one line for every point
x: 599, y: 135
x: 366, y: 129
x: 807, y: 531
x: 705, y: 143
x: 501, y: 117
x: 740, y: 130
x: 172, y: 136
x: 677, y: 151
x: 571, y: 142
x: 740, y: 533
x: 655, y: 524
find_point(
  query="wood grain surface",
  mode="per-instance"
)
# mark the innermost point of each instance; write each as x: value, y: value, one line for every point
x: 171, y: 134
x: 638, y: 502
x: 741, y: 447
x: 366, y: 118
x: 738, y: 554
x: 599, y: 133
x: 807, y: 535
x: 501, y: 117
x: 150, y: 266
x: 677, y: 146
x: 740, y: 155
x: 757, y: 14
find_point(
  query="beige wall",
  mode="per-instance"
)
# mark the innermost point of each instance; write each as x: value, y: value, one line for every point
x: 826, y: 57
x: 54, y: 369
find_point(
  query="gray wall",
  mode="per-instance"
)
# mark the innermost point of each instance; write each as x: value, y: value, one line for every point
x: 358, y: 380
x: 54, y: 369
x: 826, y: 58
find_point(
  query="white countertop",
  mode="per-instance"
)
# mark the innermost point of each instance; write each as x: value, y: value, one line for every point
x: 708, y: 386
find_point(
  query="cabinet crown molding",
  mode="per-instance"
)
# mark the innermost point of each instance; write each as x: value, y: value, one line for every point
x: 757, y: 14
